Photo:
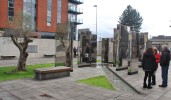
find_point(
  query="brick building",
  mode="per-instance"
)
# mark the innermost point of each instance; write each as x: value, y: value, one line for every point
x: 45, y: 14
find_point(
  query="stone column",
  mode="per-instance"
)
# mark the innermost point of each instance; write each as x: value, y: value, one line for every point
x: 132, y: 68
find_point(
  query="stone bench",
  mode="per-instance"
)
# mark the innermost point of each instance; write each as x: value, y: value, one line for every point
x: 49, y: 55
x: 52, y: 72
x: 7, y: 56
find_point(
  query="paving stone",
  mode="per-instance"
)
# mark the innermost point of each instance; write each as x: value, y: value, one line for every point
x: 110, y: 95
x: 13, y: 86
x: 1, y: 90
x: 4, y: 93
x: 9, y: 97
x: 100, y: 97
x: 82, y: 97
x: 90, y: 95
x: 155, y: 95
x: 32, y: 98
x: 27, y: 93
x: 70, y: 99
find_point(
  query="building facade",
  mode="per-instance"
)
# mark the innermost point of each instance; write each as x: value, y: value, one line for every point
x: 45, y: 14
x: 160, y: 40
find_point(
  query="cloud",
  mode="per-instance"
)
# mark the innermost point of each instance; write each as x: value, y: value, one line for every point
x: 156, y: 15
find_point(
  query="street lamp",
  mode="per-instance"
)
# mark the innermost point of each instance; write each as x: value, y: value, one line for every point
x: 96, y: 18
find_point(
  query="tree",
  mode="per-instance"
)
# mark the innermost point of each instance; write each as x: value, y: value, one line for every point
x: 20, y: 30
x: 131, y: 17
x: 64, y: 36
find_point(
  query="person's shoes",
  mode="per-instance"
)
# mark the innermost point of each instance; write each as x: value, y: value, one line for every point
x: 149, y: 87
x: 162, y: 85
x: 153, y: 83
x: 145, y: 86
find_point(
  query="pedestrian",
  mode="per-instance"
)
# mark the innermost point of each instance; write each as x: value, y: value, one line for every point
x: 148, y: 65
x: 157, y: 56
x: 75, y: 51
x: 164, y: 63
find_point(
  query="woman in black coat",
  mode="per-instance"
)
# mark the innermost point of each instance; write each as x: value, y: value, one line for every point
x: 148, y: 65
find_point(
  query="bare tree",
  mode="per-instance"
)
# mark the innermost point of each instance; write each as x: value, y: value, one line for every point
x: 63, y: 35
x: 20, y: 30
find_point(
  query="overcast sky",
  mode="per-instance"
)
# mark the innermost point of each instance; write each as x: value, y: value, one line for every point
x: 156, y: 15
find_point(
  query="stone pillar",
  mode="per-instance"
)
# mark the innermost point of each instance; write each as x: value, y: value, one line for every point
x: 105, y: 50
x: 132, y: 68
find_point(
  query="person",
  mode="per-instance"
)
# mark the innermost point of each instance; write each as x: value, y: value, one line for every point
x: 148, y: 65
x: 164, y: 63
x: 75, y: 51
x: 157, y: 56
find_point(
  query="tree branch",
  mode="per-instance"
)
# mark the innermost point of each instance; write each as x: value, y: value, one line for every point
x: 16, y: 42
x: 26, y: 42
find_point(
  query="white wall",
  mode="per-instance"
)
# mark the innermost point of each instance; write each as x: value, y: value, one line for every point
x: 44, y: 46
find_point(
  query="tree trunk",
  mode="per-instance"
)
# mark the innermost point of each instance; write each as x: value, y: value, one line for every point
x: 21, y: 66
x: 68, y: 59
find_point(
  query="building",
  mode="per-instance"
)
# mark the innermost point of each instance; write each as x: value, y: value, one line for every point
x: 45, y: 14
x: 73, y: 11
x: 160, y: 40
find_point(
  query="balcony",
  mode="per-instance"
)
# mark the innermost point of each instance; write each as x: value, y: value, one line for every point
x: 76, y: 22
x: 76, y: 1
x: 76, y: 11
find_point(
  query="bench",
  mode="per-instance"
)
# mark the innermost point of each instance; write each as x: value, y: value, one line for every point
x: 7, y: 57
x: 52, y: 72
x: 49, y: 55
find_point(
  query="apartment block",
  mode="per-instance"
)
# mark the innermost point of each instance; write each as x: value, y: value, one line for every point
x: 45, y: 14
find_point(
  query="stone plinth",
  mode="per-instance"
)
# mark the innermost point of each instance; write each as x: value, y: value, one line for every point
x: 52, y: 72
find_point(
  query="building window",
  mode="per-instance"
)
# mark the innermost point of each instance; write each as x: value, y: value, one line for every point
x: 59, y: 9
x: 30, y: 10
x: 10, y: 10
x: 49, y: 12
x: 47, y: 35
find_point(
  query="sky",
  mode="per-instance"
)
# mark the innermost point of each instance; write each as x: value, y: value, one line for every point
x: 156, y: 16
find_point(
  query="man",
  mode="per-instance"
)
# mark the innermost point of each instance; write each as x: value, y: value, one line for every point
x: 75, y: 51
x: 164, y: 63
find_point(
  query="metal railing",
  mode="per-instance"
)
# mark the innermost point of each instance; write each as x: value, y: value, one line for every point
x: 74, y: 9
x: 76, y: 21
x: 79, y: 0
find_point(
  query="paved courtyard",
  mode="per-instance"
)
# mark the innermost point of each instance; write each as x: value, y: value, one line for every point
x: 67, y: 89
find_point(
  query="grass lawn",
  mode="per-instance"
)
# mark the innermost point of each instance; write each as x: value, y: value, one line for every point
x: 6, y: 73
x: 98, y: 60
x: 99, y: 81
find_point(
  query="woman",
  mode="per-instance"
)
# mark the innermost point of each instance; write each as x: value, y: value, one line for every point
x: 157, y: 56
x: 148, y: 65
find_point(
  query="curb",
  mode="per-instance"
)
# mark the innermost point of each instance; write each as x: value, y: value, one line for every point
x: 126, y: 82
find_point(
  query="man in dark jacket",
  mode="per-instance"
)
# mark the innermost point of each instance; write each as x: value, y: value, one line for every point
x: 164, y: 63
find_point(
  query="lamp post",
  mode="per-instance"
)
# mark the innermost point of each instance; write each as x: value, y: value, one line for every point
x: 96, y: 18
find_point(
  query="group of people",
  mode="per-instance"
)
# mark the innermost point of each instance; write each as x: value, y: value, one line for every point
x: 150, y: 61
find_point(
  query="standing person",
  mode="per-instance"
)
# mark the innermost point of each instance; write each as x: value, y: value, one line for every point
x: 157, y: 56
x: 164, y: 63
x: 148, y: 65
x: 75, y: 50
